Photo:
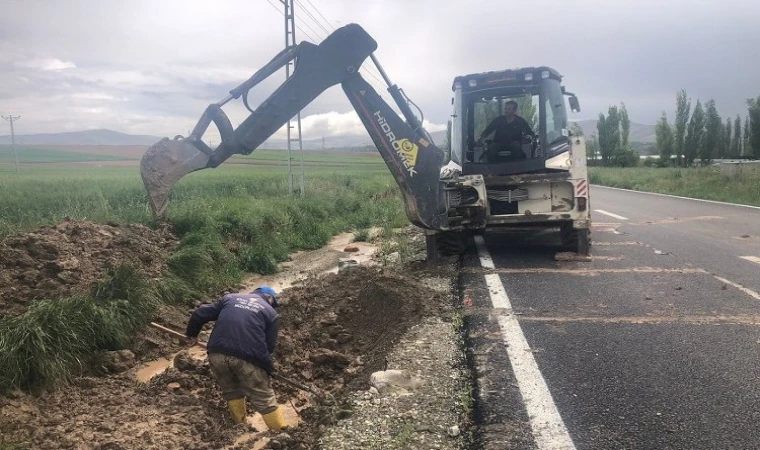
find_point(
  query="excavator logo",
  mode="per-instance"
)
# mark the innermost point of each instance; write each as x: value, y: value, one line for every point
x: 405, y: 149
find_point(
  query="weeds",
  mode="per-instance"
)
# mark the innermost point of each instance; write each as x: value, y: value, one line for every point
x: 361, y: 235
x: 52, y: 341
x: 699, y: 182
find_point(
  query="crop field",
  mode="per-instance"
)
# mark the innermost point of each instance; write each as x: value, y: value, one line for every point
x: 51, y: 155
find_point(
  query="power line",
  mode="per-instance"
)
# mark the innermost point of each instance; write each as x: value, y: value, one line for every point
x: 298, y: 27
x: 11, y: 118
x: 308, y: 13
x: 369, y: 69
x: 320, y: 14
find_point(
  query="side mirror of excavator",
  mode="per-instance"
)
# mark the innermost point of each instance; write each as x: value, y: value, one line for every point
x: 575, y: 105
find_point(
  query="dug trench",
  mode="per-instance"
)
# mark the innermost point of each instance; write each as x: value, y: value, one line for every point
x: 336, y: 330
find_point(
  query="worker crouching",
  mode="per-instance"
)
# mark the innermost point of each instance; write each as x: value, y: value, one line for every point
x: 240, y: 351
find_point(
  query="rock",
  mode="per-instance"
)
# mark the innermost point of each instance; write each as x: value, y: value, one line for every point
x: 186, y: 363
x: 67, y: 277
x: 394, y: 381
x: 329, y: 357
x: 68, y: 264
x: 373, y: 390
x: 351, y: 249
x: 85, y: 382
x: 343, y: 414
x: 173, y: 386
x: 453, y: 431
x: 679, y: 288
x: 345, y: 263
x: 393, y: 258
x: 570, y: 256
x: 119, y: 361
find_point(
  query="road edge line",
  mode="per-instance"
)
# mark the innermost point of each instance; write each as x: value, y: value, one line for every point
x: 549, y: 431
x: 613, y: 215
x: 746, y: 290
x: 676, y: 196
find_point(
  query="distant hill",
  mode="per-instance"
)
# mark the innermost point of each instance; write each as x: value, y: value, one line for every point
x: 88, y: 137
x: 639, y: 132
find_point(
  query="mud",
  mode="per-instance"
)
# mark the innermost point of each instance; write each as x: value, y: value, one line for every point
x: 56, y: 262
x: 336, y: 330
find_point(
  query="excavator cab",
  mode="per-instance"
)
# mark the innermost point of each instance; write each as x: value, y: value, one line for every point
x: 481, y: 98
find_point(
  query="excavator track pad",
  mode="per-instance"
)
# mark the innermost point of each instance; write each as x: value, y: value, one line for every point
x: 163, y: 164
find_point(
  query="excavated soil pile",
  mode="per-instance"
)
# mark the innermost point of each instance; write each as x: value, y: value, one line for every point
x: 177, y: 410
x: 56, y: 262
x: 337, y: 330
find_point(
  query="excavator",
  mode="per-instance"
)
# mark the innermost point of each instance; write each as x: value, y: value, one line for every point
x: 473, y: 187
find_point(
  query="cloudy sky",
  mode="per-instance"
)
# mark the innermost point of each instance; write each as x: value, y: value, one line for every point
x: 151, y: 67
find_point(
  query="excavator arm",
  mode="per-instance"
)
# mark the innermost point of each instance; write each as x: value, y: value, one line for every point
x: 406, y: 148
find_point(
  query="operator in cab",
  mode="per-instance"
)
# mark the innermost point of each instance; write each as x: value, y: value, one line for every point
x: 240, y: 351
x: 509, y: 131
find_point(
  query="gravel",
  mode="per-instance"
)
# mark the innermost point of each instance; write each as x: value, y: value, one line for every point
x: 434, y: 415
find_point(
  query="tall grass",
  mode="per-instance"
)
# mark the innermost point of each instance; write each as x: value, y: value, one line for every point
x: 700, y: 182
x: 52, y: 340
x: 230, y: 221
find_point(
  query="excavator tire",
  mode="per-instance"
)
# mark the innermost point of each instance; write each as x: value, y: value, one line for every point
x: 446, y: 243
x: 574, y: 240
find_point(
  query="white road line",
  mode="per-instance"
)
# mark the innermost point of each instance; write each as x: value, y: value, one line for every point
x: 676, y: 196
x: 747, y: 291
x: 607, y: 213
x: 753, y: 259
x: 549, y: 430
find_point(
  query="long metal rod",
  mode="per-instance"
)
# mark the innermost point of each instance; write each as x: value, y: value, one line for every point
x: 288, y: 13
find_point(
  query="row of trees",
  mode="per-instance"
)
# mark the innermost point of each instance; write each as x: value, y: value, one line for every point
x: 613, y: 144
x: 705, y: 135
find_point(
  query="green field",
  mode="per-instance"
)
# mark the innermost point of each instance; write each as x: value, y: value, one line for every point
x: 700, y: 182
x: 28, y: 155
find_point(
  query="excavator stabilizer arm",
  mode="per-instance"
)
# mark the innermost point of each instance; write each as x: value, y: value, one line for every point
x: 413, y: 160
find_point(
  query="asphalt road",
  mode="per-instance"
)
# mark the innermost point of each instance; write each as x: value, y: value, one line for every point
x: 655, y: 344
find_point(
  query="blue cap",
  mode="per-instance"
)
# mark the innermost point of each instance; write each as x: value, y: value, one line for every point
x: 268, y: 291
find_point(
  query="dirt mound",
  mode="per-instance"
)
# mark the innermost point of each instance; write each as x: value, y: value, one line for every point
x: 176, y: 410
x: 337, y: 330
x: 56, y: 262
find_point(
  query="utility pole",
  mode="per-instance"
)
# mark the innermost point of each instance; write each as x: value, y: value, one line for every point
x: 290, y: 41
x: 11, y: 118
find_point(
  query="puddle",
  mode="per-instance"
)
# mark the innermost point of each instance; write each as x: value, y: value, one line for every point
x: 158, y: 366
x: 305, y: 264
x: 152, y: 369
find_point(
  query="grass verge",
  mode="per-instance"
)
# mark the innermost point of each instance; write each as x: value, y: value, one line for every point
x: 52, y: 340
x: 700, y: 182
x: 229, y: 222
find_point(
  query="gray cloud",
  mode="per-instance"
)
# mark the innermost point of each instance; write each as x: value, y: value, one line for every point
x: 152, y: 67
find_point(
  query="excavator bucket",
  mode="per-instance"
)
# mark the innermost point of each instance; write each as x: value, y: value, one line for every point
x: 163, y: 164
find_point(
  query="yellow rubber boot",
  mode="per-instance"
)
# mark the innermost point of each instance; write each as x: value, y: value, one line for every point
x: 237, y: 409
x: 274, y: 420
